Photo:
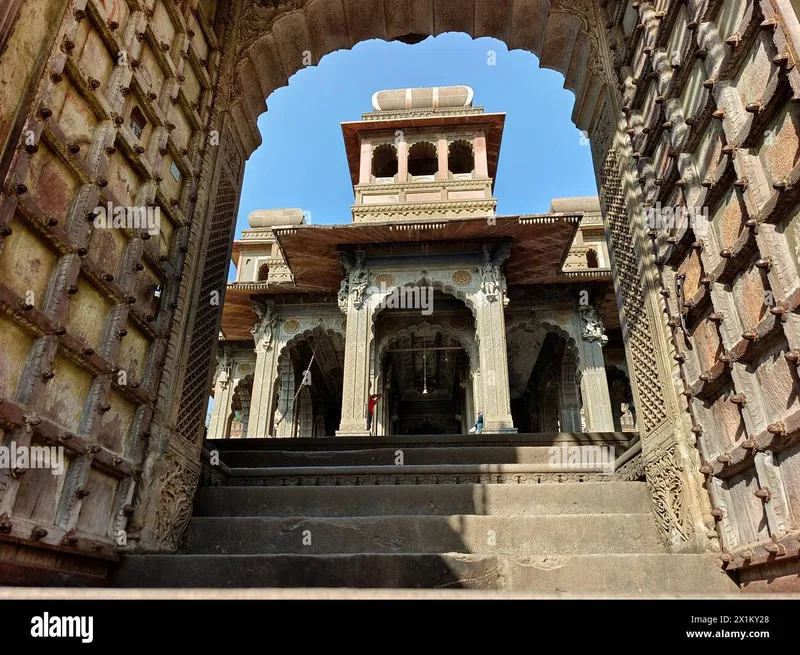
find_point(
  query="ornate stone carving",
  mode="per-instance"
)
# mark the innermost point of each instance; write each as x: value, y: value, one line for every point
x: 634, y: 313
x: 631, y: 471
x: 603, y: 134
x: 665, y: 479
x: 344, y: 295
x: 291, y: 326
x: 176, y: 484
x: 356, y: 479
x: 562, y: 318
x: 384, y: 280
x: 592, y: 329
x: 343, y: 299
x: 359, y: 281
x: 257, y: 17
x: 462, y: 278
x: 492, y: 279
x: 264, y: 330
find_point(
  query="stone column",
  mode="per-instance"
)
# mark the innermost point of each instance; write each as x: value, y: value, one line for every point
x: 268, y: 347
x: 489, y: 302
x: 466, y: 409
x: 443, y: 153
x: 246, y: 404
x: 223, y: 395
x: 365, y: 172
x: 480, y: 154
x: 359, y: 309
x: 570, y: 402
x: 594, y: 383
x: 402, y: 160
x: 284, y: 412
x: 494, y: 366
x: 476, y: 397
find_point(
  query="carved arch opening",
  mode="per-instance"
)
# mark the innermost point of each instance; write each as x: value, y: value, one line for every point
x: 277, y: 38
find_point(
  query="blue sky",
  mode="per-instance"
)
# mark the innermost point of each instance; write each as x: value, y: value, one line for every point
x: 543, y: 154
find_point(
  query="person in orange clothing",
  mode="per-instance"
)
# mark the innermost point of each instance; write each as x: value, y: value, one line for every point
x: 373, y: 401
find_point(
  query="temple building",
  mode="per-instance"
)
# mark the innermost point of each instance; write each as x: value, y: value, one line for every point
x: 427, y: 297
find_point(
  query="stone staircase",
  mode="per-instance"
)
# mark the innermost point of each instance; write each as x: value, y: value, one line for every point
x: 479, y: 512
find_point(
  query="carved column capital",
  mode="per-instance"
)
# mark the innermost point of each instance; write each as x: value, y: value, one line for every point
x: 592, y: 326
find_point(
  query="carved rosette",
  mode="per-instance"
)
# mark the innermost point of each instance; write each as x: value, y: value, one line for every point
x: 462, y: 279
x: 562, y: 318
x: 384, y: 280
x: 291, y: 326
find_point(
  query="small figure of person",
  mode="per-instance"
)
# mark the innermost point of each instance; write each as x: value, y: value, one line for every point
x: 478, y: 427
x: 373, y: 401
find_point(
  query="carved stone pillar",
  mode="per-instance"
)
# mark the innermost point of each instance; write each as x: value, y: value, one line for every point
x: 402, y: 159
x: 494, y: 369
x: 476, y: 396
x: 284, y: 412
x: 594, y: 383
x: 359, y: 309
x: 442, y: 152
x: 268, y: 347
x: 489, y: 303
x: 245, y: 398
x: 223, y: 395
x: 568, y: 391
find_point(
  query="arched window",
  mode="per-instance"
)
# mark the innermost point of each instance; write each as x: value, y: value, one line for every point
x: 384, y: 161
x: 422, y: 159
x: 263, y: 273
x: 461, y: 157
x: 591, y: 259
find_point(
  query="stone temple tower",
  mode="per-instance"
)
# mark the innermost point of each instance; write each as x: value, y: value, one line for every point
x: 423, y: 153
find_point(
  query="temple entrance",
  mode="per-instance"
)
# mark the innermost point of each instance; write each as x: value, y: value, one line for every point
x: 550, y: 401
x: 424, y: 372
x: 308, y: 395
x: 543, y: 376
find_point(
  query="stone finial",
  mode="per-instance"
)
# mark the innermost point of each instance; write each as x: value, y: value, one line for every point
x: 439, y: 97
x: 276, y: 217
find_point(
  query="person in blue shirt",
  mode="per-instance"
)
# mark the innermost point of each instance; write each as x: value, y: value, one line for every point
x: 478, y: 427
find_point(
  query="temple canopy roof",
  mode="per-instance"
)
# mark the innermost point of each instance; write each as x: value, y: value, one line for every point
x: 539, y: 246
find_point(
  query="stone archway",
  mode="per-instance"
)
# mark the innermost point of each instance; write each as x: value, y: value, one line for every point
x: 453, y: 362
x: 633, y: 89
x: 297, y: 407
x: 278, y: 38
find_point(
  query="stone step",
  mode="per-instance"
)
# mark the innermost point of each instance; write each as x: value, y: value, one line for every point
x: 416, y: 474
x: 425, y: 499
x: 519, y: 536
x: 540, y: 455
x: 422, y: 441
x: 608, y: 573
